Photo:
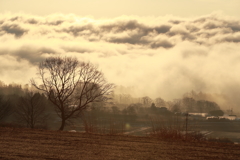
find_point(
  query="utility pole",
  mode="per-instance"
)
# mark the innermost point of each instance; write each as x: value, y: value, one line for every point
x: 186, y: 124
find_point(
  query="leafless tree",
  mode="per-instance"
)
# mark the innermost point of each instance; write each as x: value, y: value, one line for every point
x: 160, y: 102
x: 146, y: 101
x: 71, y: 86
x: 5, y: 108
x: 31, y: 110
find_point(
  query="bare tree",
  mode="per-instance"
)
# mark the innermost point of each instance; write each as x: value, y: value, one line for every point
x: 31, y: 109
x: 146, y: 101
x: 189, y: 104
x: 160, y: 102
x: 5, y: 108
x: 72, y: 86
x: 175, y: 105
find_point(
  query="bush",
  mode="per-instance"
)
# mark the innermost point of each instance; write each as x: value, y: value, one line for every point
x: 165, y: 129
x: 216, y: 113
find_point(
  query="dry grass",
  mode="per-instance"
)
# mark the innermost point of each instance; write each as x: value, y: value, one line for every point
x: 166, y: 129
x: 93, y: 125
x: 40, y: 144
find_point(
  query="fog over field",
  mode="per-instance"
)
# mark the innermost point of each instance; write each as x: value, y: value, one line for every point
x: 163, y: 56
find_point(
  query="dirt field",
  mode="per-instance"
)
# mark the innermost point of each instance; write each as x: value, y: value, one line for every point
x: 37, y: 144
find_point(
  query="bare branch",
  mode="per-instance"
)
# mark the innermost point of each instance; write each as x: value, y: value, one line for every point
x: 68, y: 82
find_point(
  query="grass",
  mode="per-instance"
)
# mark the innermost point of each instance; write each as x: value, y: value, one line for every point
x: 93, y: 125
x: 174, y: 130
x: 20, y: 143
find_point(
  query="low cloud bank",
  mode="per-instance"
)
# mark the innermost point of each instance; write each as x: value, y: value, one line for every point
x: 162, y: 56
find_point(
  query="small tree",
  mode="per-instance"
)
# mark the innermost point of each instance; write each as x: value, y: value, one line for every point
x: 175, y: 105
x: 30, y: 109
x: 176, y: 108
x: 153, y: 108
x: 5, y: 108
x: 146, y: 101
x: 160, y: 102
x: 71, y: 86
x: 189, y: 104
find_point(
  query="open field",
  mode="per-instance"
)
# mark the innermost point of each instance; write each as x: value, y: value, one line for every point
x: 40, y: 144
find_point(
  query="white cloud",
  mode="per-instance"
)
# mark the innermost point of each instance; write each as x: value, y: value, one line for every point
x: 162, y: 56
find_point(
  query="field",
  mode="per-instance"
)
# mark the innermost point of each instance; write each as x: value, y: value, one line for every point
x: 41, y: 144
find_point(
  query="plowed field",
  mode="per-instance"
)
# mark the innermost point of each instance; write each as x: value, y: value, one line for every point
x: 40, y: 144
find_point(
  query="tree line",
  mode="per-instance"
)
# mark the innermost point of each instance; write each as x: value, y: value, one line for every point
x: 33, y: 109
x: 69, y: 88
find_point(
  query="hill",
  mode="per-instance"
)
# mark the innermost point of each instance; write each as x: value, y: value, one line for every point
x: 16, y: 143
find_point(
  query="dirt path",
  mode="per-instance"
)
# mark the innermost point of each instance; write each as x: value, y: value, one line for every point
x: 35, y: 144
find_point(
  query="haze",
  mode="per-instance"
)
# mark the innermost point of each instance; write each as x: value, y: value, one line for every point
x: 163, y: 49
x: 111, y: 9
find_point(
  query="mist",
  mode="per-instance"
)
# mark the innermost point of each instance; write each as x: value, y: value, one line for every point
x: 158, y: 56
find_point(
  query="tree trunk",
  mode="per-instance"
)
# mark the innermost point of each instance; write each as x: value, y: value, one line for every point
x: 62, y: 125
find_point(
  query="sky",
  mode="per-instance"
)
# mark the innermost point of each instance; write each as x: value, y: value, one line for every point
x: 162, y: 48
x: 114, y: 8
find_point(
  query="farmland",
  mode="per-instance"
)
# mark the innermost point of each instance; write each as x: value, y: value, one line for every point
x: 18, y: 143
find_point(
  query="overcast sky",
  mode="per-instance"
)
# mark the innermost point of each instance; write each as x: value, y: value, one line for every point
x: 113, y: 8
x: 164, y: 48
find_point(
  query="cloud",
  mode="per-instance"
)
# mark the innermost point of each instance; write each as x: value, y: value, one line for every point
x: 127, y: 30
x: 231, y: 38
x: 163, y: 43
x: 162, y: 56
x: 14, y: 29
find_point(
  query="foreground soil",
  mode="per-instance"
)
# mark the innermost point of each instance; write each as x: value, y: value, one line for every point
x: 40, y: 144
